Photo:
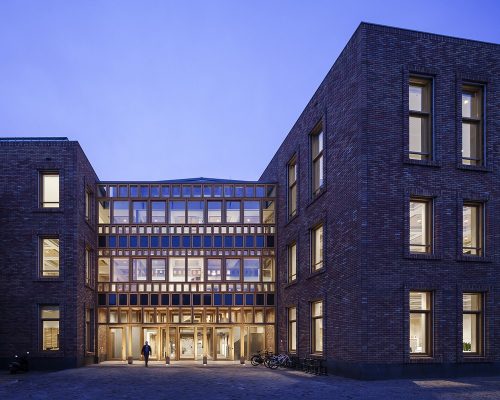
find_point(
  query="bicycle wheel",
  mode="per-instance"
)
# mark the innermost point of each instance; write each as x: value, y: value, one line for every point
x: 255, y: 360
x: 273, y: 364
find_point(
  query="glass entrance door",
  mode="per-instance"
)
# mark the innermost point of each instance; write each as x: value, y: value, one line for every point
x: 151, y: 336
x: 186, y: 343
x: 116, y: 344
x: 223, y: 344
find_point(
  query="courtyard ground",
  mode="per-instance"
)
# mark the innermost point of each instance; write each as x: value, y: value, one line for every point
x: 227, y: 381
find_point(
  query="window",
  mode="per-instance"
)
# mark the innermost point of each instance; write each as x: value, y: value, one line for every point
x: 268, y: 269
x: 472, y: 125
x: 89, y: 330
x: 195, y: 269
x: 317, y: 248
x: 472, y: 339
x: 421, y: 229
x: 177, y: 212
x: 88, y: 205
x: 104, y: 215
x: 214, y: 212
x: 121, y: 269
x: 49, y: 316
x: 292, y: 330
x: 214, y: 269
x: 292, y: 262
x: 139, y: 212
x: 420, y: 124
x: 158, y: 266
x: 177, y: 269
x: 292, y: 187
x: 251, y: 269
x: 317, y: 161
x: 195, y: 212
x: 251, y: 212
x: 232, y: 211
x: 472, y: 235
x: 88, y: 267
x: 49, y: 190
x: 120, y: 212
x: 317, y: 327
x: 233, y: 269
x: 50, y: 257
x: 420, y: 323
x: 103, y: 270
x: 268, y: 213
x: 158, y: 212
x: 139, y: 269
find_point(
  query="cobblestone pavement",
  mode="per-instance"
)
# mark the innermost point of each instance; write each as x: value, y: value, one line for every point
x: 227, y: 381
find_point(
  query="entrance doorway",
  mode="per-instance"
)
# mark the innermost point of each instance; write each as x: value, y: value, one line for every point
x: 116, y: 344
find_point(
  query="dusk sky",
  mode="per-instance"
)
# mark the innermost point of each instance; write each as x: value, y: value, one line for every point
x: 158, y: 90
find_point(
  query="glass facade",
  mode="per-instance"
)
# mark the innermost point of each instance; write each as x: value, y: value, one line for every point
x: 188, y: 267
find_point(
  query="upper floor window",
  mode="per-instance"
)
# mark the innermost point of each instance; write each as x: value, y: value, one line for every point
x: 317, y: 248
x: 139, y: 212
x: 49, y: 318
x: 420, y: 124
x: 88, y: 267
x: 214, y: 212
x: 472, y: 337
x: 88, y: 205
x: 121, y: 212
x: 317, y: 327
x: 177, y: 212
x: 317, y: 161
x: 292, y: 262
x: 195, y: 212
x: 472, y: 235
x: 104, y: 212
x: 158, y: 212
x: 420, y: 323
x: 472, y: 125
x: 49, y: 189
x: 251, y: 212
x: 232, y: 211
x: 421, y: 228
x: 50, y: 257
x: 292, y: 187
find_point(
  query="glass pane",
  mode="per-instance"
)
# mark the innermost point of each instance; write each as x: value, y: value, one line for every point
x: 418, y: 227
x: 471, y: 143
x: 139, y: 212
x: 318, y: 335
x: 471, y: 103
x: 416, y: 135
x: 317, y: 248
x: 49, y: 312
x: 158, y: 209
x: 251, y: 212
x: 418, y: 336
x: 471, y: 230
x: 318, y: 174
x: 195, y: 269
x: 104, y: 270
x: 268, y: 212
x: 472, y: 301
x: 50, y: 261
x: 416, y: 96
x: 292, y: 260
x: 139, y: 269
x: 120, y: 270
x: 420, y: 301
x: 214, y: 268
x: 50, y: 339
x: 177, y: 212
x: 104, y: 212
x: 317, y: 309
x: 232, y: 269
x: 233, y: 211
x: 470, y: 333
x: 214, y: 211
x: 177, y: 270
x: 251, y: 269
x: 158, y: 269
x: 268, y: 269
x: 195, y: 212
x: 120, y: 212
x: 317, y: 144
x: 50, y: 191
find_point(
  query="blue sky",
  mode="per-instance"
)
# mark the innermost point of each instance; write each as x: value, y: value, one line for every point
x: 175, y: 89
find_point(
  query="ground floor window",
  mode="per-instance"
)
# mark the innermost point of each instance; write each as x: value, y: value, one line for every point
x: 89, y: 330
x: 49, y: 316
x: 292, y: 329
x: 472, y: 339
x: 317, y: 327
x: 420, y: 323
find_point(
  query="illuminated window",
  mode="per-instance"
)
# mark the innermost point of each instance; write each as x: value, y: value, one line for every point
x: 420, y: 124
x: 292, y: 187
x: 317, y: 161
x: 472, y: 235
x: 50, y: 257
x: 472, y: 125
x: 420, y: 323
x: 292, y: 262
x: 317, y: 248
x: 49, y: 192
x: 421, y: 229
x: 472, y: 339
x: 292, y: 330
x: 49, y: 316
x: 317, y: 327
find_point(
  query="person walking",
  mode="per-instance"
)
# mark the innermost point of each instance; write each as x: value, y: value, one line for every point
x: 146, y: 351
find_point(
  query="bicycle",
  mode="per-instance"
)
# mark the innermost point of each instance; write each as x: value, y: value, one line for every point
x: 281, y: 360
x: 258, y: 358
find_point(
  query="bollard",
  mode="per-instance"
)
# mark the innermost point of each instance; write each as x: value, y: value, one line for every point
x: 167, y: 361
x: 130, y: 359
x: 242, y: 361
x: 204, y: 361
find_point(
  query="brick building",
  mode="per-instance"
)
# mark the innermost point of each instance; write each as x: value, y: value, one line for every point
x: 377, y: 213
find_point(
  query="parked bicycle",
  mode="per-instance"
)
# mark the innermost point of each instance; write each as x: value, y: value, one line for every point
x: 261, y: 358
x: 280, y: 360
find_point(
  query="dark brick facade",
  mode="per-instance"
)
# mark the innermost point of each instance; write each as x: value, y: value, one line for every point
x: 363, y: 103
x: 362, y: 106
x: 22, y: 223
